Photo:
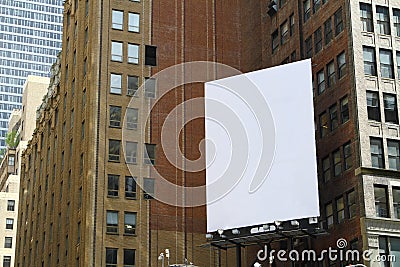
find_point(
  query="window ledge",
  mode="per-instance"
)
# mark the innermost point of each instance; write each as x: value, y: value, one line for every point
x: 108, y: 233
x: 388, y: 79
x: 383, y: 35
x: 339, y: 35
x: 112, y: 93
x: 377, y: 172
x: 133, y: 235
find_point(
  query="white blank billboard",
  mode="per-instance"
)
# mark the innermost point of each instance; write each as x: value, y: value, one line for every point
x: 260, y: 148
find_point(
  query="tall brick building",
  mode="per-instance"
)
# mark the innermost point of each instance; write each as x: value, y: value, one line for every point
x: 354, y: 46
x: 80, y: 203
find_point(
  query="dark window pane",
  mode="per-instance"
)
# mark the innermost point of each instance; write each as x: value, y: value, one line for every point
x: 381, y: 201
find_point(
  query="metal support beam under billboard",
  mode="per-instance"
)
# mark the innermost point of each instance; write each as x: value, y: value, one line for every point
x: 238, y: 255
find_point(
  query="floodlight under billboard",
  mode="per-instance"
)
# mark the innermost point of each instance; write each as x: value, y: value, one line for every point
x: 260, y: 146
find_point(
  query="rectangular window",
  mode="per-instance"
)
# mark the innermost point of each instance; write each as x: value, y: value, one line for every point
x: 330, y: 69
x: 333, y: 114
x: 318, y: 40
x: 84, y: 98
x: 116, y: 51
x: 377, y: 160
x: 381, y: 201
x: 150, y: 88
x: 366, y: 17
x: 386, y: 60
x: 291, y: 19
x: 114, y: 150
x: 9, y: 223
x: 393, y: 154
x: 80, y: 197
x: 328, y: 31
x: 316, y: 5
x: 149, y: 156
x: 131, y: 152
x: 382, y: 23
x: 117, y: 19
x: 113, y: 185
x: 340, y: 209
x: 337, y: 163
x: 347, y: 156
x: 293, y: 56
x: 398, y: 64
x: 86, y: 8
x: 284, y: 32
x: 10, y: 205
x: 133, y: 22
x: 341, y: 63
x: 394, y: 248
x: 148, y: 188
x: 275, y: 41
x: 306, y: 9
x: 76, y: 30
x: 396, y: 202
x: 133, y: 85
x: 129, y: 258
x: 78, y: 238
x: 338, y: 18
x: 321, y: 81
x: 8, y: 242
x: 308, y: 47
x: 116, y: 83
x: 351, y: 204
x: 326, y: 168
x: 374, y: 112
x: 112, y: 222
x: 111, y: 257
x: 86, y: 36
x: 83, y: 130
x: 150, y: 55
x: 369, y: 60
x: 7, y: 261
x: 383, y: 250
x: 390, y: 105
x: 396, y: 21
x: 329, y: 214
x: 130, y: 187
x: 115, y: 116
x: 11, y: 160
x: 130, y: 223
x: 133, y: 53
x: 132, y: 118
x: 323, y: 124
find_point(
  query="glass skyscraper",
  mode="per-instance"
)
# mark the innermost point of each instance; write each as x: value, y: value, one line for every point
x: 30, y: 39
